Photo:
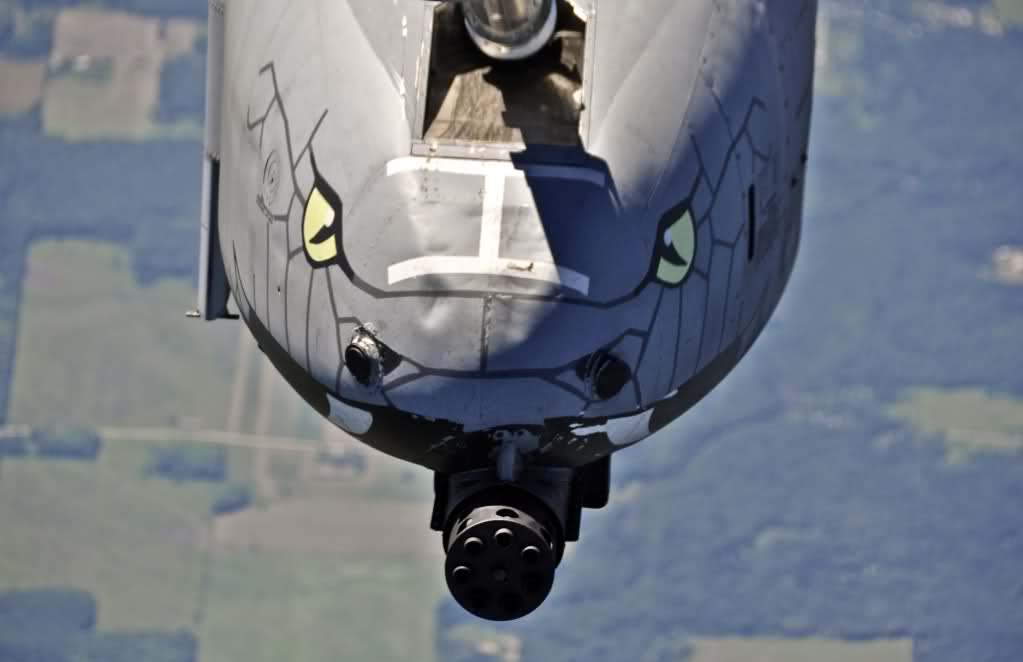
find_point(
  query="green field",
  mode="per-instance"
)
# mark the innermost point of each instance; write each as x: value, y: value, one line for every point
x: 142, y: 547
x: 95, y: 348
x: 1010, y: 11
x: 271, y: 606
x: 764, y: 649
x: 101, y: 528
x: 969, y: 420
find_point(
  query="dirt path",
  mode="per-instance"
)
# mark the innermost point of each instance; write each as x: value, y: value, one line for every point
x: 264, y: 408
x: 241, y: 380
x: 213, y: 437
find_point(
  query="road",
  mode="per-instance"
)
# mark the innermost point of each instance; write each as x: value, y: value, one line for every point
x: 159, y: 435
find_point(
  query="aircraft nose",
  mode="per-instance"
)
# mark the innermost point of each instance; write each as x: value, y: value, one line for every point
x: 493, y: 334
x: 433, y: 226
x: 440, y: 335
x: 465, y: 359
x: 514, y: 244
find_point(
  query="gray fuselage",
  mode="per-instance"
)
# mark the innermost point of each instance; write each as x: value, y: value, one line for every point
x: 482, y: 276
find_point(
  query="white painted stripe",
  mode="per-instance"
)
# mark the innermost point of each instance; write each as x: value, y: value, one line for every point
x: 622, y: 431
x: 489, y: 262
x: 501, y: 168
x: 482, y: 266
x: 350, y: 419
x: 493, y: 214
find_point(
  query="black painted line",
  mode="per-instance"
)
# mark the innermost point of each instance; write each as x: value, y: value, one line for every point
x: 678, y: 336
x: 312, y: 136
x: 337, y: 331
x: 308, y: 314
x: 488, y: 306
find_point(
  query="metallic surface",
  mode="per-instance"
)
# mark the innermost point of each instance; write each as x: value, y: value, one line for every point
x: 490, y: 275
x: 500, y: 561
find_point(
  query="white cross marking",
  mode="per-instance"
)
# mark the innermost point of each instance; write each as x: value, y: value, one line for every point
x: 489, y: 261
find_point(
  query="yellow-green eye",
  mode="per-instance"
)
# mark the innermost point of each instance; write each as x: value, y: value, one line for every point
x: 319, y: 231
x: 676, y: 248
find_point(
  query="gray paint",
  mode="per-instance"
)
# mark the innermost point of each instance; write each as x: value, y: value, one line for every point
x: 213, y: 292
x: 686, y: 100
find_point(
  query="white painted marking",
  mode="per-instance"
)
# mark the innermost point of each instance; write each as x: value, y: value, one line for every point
x: 489, y: 261
x: 622, y: 431
x: 579, y: 11
x: 482, y: 266
x: 348, y: 418
x: 493, y: 215
x: 503, y: 168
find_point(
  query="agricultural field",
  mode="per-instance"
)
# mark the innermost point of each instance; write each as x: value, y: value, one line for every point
x: 130, y: 541
x: 98, y: 73
x: 105, y: 74
x: 796, y: 650
x: 22, y: 85
x: 94, y: 347
x: 342, y: 579
x: 267, y: 606
x: 969, y: 421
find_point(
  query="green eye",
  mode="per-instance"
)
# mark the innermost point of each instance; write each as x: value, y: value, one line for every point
x: 676, y: 247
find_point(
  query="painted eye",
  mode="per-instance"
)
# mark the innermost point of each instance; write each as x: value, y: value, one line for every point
x: 674, y: 258
x: 319, y: 229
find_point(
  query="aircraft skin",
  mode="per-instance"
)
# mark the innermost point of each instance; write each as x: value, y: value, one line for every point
x: 482, y: 280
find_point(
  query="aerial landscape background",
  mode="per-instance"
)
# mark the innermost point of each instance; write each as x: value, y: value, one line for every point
x: 852, y: 492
